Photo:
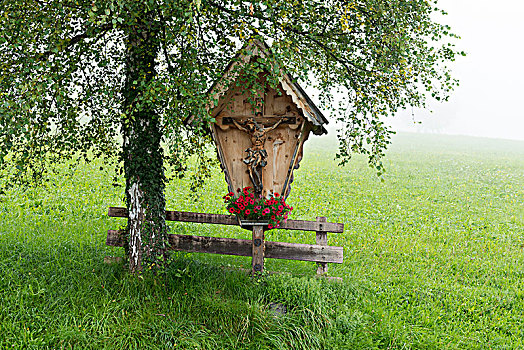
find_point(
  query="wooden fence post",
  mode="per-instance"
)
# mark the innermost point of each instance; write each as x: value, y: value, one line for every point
x: 321, y: 240
x: 258, y: 249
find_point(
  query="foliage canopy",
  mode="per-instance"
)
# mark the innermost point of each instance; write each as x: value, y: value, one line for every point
x: 64, y: 68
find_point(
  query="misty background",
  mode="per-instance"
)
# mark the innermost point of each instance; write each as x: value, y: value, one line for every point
x: 489, y: 101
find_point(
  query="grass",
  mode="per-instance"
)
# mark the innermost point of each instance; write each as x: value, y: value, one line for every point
x: 432, y: 260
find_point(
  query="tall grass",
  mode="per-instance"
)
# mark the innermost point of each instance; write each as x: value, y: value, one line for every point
x: 432, y: 259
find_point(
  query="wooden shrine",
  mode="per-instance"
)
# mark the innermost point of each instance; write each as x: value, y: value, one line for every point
x: 259, y: 137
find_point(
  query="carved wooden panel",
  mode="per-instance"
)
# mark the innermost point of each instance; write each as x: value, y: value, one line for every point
x: 282, y: 144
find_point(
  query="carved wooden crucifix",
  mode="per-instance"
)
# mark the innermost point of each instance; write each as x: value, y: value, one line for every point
x: 256, y: 157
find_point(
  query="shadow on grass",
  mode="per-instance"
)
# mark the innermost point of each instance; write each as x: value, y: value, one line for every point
x: 60, y: 295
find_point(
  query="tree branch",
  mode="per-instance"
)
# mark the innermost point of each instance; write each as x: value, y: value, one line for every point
x: 164, y: 44
x: 77, y: 38
x: 308, y: 35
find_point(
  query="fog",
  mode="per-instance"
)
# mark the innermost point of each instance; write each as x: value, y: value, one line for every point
x: 489, y: 101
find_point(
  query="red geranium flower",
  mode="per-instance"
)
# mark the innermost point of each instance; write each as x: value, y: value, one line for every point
x: 256, y: 206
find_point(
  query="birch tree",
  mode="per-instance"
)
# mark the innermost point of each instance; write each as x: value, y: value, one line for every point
x: 81, y: 78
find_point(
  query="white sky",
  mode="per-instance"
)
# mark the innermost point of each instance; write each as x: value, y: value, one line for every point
x: 490, y: 99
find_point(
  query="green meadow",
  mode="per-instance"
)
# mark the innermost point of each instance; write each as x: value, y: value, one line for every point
x: 433, y: 259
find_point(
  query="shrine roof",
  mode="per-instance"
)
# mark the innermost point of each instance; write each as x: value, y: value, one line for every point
x: 301, y: 99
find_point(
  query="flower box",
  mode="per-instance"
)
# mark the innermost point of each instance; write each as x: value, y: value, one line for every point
x: 252, y: 210
x: 248, y: 224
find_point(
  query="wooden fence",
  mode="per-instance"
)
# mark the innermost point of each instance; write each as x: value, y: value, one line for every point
x: 257, y: 247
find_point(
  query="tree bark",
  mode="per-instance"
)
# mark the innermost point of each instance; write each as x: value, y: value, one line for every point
x: 142, y: 153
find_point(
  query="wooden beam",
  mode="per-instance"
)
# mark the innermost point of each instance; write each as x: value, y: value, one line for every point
x: 243, y: 247
x: 201, y: 218
x: 213, y: 245
x: 321, y: 238
x: 222, y: 219
x: 257, y: 249
x: 115, y: 238
x: 303, y: 225
x: 266, y: 120
x: 304, y: 252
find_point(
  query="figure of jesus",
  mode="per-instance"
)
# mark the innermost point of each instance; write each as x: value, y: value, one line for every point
x: 256, y: 157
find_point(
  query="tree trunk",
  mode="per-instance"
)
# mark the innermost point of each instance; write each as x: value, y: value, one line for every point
x: 142, y: 152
